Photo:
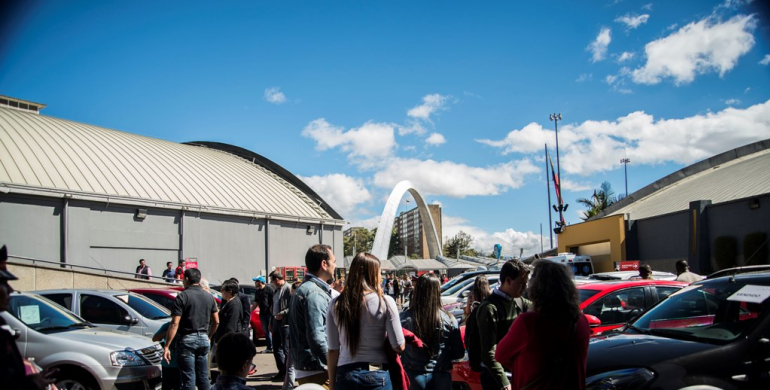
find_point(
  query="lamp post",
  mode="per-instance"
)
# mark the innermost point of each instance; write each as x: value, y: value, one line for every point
x: 625, y: 162
x: 556, y: 118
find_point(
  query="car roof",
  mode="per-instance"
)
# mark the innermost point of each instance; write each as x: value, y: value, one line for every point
x: 618, y: 284
x: 760, y: 277
x: 157, y: 289
x: 72, y: 290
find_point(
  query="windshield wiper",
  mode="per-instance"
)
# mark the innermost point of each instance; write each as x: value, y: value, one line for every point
x: 160, y: 317
x: 58, y: 327
x: 640, y: 330
x: 80, y: 324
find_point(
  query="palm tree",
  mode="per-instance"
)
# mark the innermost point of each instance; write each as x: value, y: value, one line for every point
x: 602, y: 198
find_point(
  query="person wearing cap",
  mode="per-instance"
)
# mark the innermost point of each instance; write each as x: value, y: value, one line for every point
x: 264, y: 300
x: 12, y: 371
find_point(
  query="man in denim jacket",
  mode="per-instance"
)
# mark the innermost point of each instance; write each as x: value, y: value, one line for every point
x: 307, y: 319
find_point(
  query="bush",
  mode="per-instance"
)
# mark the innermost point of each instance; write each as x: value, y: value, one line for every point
x: 755, y: 248
x: 725, y: 252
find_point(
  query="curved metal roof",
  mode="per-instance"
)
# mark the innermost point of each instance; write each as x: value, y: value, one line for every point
x: 736, y: 174
x: 51, y: 156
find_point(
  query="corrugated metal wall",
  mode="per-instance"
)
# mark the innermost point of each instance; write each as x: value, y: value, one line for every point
x: 112, y: 237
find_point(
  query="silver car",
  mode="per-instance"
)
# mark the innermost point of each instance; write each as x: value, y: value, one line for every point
x: 113, y: 309
x: 88, y: 357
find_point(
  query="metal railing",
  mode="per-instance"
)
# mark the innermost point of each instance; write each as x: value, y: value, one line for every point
x: 99, y: 269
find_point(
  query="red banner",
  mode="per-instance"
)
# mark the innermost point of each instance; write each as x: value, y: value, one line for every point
x: 629, y: 265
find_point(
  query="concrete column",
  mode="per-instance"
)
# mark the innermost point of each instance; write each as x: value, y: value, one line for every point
x: 699, y: 249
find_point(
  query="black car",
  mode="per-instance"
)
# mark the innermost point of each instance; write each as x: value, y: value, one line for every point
x: 714, y: 333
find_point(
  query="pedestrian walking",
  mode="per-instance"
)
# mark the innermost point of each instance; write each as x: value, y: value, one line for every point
x: 397, y: 290
x: 307, y: 318
x: 289, y: 379
x: 358, y: 322
x: 179, y: 271
x: 194, y: 318
x: 143, y: 271
x: 246, y: 305
x: 546, y: 348
x: 430, y: 367
x: 281, y: 300
x: 263, y: 299
x: 230, y: 316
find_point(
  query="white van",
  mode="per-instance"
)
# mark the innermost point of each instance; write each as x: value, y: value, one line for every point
x: 580, y: 265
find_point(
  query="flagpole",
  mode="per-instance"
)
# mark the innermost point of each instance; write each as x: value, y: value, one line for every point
x: 548, y: 190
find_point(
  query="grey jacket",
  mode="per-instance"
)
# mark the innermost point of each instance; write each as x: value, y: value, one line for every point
x: 281, y: 302
x: 307, y: 324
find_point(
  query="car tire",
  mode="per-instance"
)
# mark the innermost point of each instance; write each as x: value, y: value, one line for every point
x: 75, y: 379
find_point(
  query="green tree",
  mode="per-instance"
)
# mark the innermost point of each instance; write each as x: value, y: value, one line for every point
x: 396, y: 248
x: 361, y: 240
x: 460, y: 243
x: 602, y: 198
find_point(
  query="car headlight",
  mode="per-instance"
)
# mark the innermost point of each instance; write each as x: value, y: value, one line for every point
x: 630, y: 378
x: 126, y: 358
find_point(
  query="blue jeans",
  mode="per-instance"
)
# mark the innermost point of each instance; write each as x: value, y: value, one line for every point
x: 356, y: 376
x: 281, y: 348
x: 265, y: 320
x: 193, y: 361
x: 436, y: 380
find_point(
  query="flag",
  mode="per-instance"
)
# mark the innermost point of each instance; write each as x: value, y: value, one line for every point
x: 557, y: 188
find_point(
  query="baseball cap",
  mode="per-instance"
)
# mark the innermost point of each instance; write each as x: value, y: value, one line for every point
x: 4, y: 273
x: 259, y: 278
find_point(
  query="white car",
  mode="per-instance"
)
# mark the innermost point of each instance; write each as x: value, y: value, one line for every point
x: 113, y: 309
x: 88, y: 357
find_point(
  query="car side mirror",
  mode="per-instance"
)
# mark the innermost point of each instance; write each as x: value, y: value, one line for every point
x: 465, y: 294
x: 593, y: 321
x: 17, y: 334
x: 130, y: 320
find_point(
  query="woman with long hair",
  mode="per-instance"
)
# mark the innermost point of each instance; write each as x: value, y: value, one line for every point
x: 546, y: 347
x: 478, y: 293
x: 357, y: 323
x: 430, y: 367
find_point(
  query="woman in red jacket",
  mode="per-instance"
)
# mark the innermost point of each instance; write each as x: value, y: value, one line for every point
x: 546, y: 348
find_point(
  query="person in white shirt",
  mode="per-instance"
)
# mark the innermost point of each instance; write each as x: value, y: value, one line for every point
x: 683, y: 273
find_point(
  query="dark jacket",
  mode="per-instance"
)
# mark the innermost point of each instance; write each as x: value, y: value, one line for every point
x: 245, y: 310
x: 230, y: 318
x: 12, y: 371
x: 307, y: 324
x: 492, y: 332
x: 447, y: 345
x: 264, y: 299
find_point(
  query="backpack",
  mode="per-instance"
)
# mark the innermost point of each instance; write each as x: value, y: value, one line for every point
x: 472, y: 335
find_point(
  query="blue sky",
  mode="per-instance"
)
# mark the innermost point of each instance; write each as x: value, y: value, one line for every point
x: 454, y: 96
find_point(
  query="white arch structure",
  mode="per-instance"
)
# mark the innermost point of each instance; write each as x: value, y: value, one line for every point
x: 385, y: 227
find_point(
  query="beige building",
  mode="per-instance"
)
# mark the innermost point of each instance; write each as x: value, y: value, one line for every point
x: 411, y: 230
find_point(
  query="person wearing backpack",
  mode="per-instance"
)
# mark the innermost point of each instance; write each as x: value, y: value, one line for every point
x: 491, y: 320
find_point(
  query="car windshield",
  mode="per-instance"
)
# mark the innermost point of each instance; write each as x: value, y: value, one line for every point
x: 711, y: 312
x: 145, y: 307
x: 43, y: 315
x: 457, y: 287
x: 585, y: 293
x: 452, y: 282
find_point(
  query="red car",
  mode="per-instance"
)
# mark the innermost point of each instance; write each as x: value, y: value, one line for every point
x: 606, y: 305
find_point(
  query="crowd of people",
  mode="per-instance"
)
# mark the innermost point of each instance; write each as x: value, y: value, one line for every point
x: 352, y: 334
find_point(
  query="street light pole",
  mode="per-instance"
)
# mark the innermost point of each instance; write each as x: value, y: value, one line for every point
x: 625, y: 162
x: 556, y: 118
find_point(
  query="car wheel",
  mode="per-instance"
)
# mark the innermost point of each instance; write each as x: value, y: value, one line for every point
x: 74, y: 380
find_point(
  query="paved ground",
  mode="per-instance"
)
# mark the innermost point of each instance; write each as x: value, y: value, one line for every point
x: 265, y: 370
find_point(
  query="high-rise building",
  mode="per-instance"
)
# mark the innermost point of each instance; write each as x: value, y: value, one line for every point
x: 411, y: 230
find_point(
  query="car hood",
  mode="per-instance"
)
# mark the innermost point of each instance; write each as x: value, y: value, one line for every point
x: 636, y: 350
x: 107, y: 338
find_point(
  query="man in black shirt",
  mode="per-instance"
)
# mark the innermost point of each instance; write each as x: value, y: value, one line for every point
x: 195, y: 317
x: 264, y: 300
x: 246, y: 305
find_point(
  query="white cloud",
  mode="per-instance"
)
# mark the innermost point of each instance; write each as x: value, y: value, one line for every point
x: 575, y: 186
x: 625, y: 56
x: 697, y: 48
x: 368, y: 143
x: 765, y: 60
x: 453, y: 179
x: 584, y: 77
x: 747, y: 90
x: 342, y: 192
x: 610, y: 79
x: 647, y: 7
x: 369, y: 223
x: 274, y: 95
x: 484, y: 242
x: 598, y: 47
x: 732, y: 102
x: 633, y: 21
x: 595, y: 146
x: 435, y: 139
